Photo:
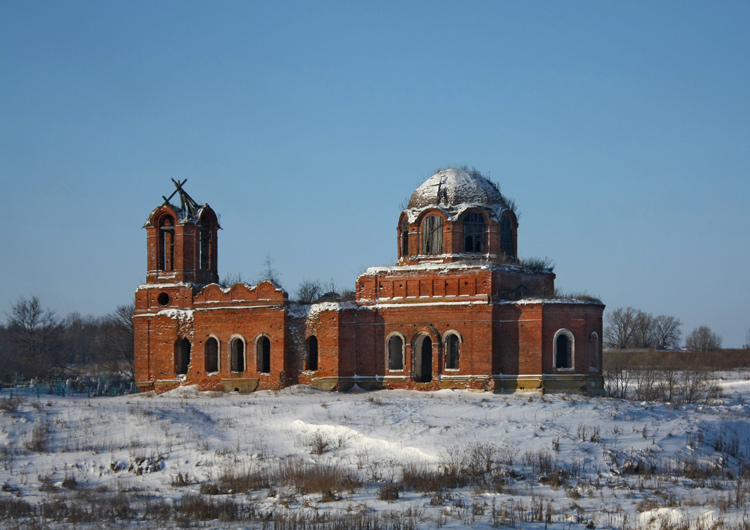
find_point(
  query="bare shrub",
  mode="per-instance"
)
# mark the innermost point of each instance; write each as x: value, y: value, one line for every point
x: 453, y: 462
x: 180, y: 480
x: 389, y: 492
x: 556, y: 478
x: 245, y: 480
x: 210, y: 488
x: 426, y: 478
x: 14, y: 509
x: 193, y: 507
x: 539, y: 462
x: 10, y: 404
x: 316, y: 478
x: 40, y: 435
x: 617, y: 381
x: 46, y: 484
x: 319, y: 443
x: 538, y: 264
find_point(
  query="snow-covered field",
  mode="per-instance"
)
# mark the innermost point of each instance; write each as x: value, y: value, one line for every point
x: 300, y: 458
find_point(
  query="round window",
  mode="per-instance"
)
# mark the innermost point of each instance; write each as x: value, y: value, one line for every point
x: 163, y: 299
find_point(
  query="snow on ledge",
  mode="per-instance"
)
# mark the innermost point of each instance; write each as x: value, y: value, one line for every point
x: 310, y: 311
x: 179, y: 314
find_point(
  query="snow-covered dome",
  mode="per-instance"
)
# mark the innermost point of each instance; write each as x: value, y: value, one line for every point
x: 454, y: 190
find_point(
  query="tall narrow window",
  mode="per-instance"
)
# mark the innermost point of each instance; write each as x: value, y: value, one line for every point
x: 474, y: 233
x: 452, y: 352
x: 212, y: 355
x: 237, y: 354
x: 312, y: 354
x: 263, y: 355
x: 432, y: 235
x: 404, y: 239
x: 166, y: 244
x: 563, y: 347
x: 506, y: 237
x: 181, y: 357
x: 205, y: 245
x: 423, y: 360
x: 594, y: 350
x: 395, y: 353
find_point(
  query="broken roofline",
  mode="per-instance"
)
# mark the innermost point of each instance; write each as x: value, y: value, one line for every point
x: 445, y: 267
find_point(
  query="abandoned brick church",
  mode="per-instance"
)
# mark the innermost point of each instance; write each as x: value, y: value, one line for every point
x: 458, y: 310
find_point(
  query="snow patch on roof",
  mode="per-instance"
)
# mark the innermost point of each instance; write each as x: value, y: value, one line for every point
x: 453, y: 191
x: 310, y: 311
x: 447, y: 267
x: 529, y: 301
x: 179, y: 314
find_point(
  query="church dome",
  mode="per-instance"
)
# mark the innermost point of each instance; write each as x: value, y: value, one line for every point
x: 455, y: 190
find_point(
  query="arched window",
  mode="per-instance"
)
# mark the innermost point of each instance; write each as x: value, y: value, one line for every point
x: 432, y: 235
x: 564, y: 350
x: 594, y: 350
x: 212, y: 355
x: 166, y: 244
x: 423, y: 359
x: 506, y: 237
x: 404, y: 239
x: 395, y: 352
x: 263, y: 354
x: 312, y: 354
x: 204, y: 248
x: 474, y: 233
x: 237, y: 355
x: 181, y: 357
x: 452, y: 351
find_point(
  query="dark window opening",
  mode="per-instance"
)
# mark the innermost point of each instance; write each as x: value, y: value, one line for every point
x: 395, y: 353
x: 423, y: 368
x: 163, y: 298
x: 312, y: 354
x: 237, y: 356
x: 204, y: 248
x: 432, y: 235
x: 563, y: 352
x: 452, y: 352
x: 474, y: 233
x: 182, y: 357
x: 263, y: 355
x: 212, y: 355
x: 166, y: 244
x: 404, y: 239
x: 506, y: 237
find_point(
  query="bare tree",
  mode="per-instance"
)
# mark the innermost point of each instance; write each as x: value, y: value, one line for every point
x: 667, y: 332
x: 624, y: 328
x: 619, y: 327
x: 269, y: 271
x: 35, y: 331
x: 702, y: 339
x: 644, y: 335
x: 309, y: 291
x: 747, y: 340
x: 230, y: 279
x: 120, y: 341
x: 633, y: 328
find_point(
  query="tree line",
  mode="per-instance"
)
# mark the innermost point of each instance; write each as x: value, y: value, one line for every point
x: 36, y: 343
x: 629, y: 328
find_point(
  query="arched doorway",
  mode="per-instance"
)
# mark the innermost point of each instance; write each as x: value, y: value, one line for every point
x: 423, y: 359
x: 181, y: 357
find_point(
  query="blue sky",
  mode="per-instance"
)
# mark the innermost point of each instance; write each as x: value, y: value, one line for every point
x: 622, y: 130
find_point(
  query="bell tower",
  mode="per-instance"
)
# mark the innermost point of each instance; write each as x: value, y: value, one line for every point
x: 182, y: 241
